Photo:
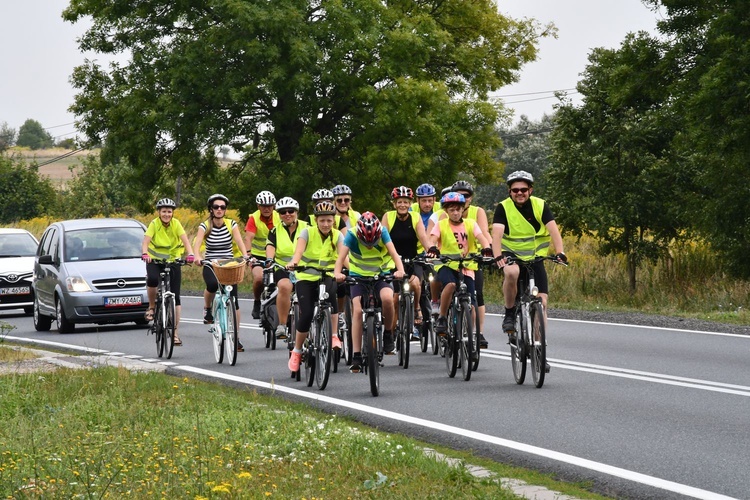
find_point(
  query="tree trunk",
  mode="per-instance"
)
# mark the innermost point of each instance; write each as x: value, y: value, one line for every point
x: 632, y: 267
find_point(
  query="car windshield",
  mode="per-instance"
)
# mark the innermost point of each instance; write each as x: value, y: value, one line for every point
x: 103, y: 243
x: 17, y: 245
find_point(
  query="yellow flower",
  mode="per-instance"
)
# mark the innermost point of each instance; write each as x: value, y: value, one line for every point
x: 244, y: 475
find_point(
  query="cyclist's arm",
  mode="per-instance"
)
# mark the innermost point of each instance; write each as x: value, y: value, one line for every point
x: 197, y: 244
x: 497, y: 240
x: 422, y: 234
x: 238, y: 239
x: 555, y: 236
x: 481, y: 237
x: 144, y: 247
x: 341, y: 260
x: 186, y: 243
x: 271, y: 244
x: 250, y: 231
x: 396, y: 259
x: 298, y: 251
x: 483, y: 224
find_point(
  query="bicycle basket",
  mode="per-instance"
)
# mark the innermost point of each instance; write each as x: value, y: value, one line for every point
x: 229, y: 271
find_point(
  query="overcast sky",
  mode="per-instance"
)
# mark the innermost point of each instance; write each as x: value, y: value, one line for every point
x: 40, y: 52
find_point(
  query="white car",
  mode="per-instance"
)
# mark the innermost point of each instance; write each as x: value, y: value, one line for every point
x: 17, y: 250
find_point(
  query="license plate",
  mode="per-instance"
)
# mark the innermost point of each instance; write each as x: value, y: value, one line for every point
x: 134, y: 300
x: 18, y: 290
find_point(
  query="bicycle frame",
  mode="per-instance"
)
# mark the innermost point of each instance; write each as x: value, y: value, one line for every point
x: 224, y: 330
x: 163, y: 326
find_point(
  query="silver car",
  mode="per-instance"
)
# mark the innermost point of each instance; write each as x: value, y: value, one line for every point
x: 89, y: 271
x: 17, y: 250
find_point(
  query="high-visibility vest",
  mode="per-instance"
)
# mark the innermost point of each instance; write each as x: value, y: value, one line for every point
x: 285, y: 246
x: 319, y: 252
x: 258, y: 245
x: 522, y: 239
x: 449, y: 244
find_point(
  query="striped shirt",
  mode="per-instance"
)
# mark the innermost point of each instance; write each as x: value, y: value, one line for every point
x: 218, y: 242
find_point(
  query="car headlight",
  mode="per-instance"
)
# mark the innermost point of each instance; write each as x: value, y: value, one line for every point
x: 77, y: 284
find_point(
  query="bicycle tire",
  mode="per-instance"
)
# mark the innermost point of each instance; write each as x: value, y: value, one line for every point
x: 323, y: 350
x: 308, y: 356
x: 218, y: 336
x: 169, y: 327
x: 158, y: 329
x: 230, y: 332
x: 407, y: 329
x: 477, y: 352
x: 467, y: 340
x: 425, y: 333
x: 518, y: 351
x: 452, y: 343
x: 370, y: 341
x: 347, y: 336
x: 538, y: 347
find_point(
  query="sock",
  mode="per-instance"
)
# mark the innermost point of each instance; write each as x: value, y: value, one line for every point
x: 299, y: 351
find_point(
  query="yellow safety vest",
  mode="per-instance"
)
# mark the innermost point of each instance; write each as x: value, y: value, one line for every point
x: 522, y: 239
x: 166, y: 243
x: 258, y: 245
x: 370, y: 261
x: 285, y: 246
x: 318, y: 253
x: 449, y: 244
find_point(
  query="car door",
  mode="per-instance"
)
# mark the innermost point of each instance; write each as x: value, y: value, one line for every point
x: 46, y: 270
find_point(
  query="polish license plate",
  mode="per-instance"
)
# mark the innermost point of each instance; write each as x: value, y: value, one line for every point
x: 133, y: 300
x: 17, y: 290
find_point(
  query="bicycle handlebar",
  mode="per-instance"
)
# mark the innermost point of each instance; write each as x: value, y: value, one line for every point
x: 176, y: 262
x: 512, y: 259
x: 210, y: 263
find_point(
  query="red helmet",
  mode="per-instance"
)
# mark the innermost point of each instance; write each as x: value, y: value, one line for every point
x: 368, y: 228
x: 402, y: 192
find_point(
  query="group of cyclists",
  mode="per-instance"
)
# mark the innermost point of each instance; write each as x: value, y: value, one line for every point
x: 336, y: 238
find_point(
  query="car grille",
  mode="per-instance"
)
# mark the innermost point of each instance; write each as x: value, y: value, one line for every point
x: 120, y: 283
x: 109, y: 311
x: 13, y: 279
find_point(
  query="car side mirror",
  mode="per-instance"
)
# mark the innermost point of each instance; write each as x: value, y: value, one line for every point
x: 46, y: 259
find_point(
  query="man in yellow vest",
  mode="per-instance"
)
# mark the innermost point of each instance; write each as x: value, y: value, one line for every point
x: 259, y: 224
x: 523, y: 226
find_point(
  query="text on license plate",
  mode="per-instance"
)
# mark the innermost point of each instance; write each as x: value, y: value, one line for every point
x: 133, y: 300
x: 18, y: 290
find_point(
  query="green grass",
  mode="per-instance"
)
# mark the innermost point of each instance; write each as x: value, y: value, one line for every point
x: 110, y: 433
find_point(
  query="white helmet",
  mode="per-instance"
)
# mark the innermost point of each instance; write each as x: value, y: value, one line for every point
x: 341, y: 189
x: 520, y: 175
x: 265, y: 198
x: 287, y: 202
x: 322, y: 194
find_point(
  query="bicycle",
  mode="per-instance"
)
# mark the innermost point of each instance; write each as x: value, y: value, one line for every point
x: 427, y: 332
x: 405, y: 321
x: 269, y: 316
x: 164, y: 325
x: 224, y: 331
x: 372, y: 327
x: 531, y: 337
x: 316, y: 353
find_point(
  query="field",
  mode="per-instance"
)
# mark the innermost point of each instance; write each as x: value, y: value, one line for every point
x: 59, y: 171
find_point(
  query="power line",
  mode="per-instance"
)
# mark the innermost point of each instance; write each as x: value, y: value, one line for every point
x: 528, y: 132
x: 58, y: 126
x: 535, y: 93
x: 62, y: 156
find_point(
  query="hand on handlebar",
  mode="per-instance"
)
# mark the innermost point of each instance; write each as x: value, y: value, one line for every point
x: 433, y: 252
x: 399, y: 275
x: 146, y: 258
x: 561, y: 258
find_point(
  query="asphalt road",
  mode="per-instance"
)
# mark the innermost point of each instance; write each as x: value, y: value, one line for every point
x: 639, y: 412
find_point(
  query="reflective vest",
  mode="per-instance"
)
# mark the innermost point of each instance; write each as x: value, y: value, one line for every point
x: 285, y: 246
x: 319, y: 252
x: 166, y: 243
x: 258, y: 245
x: 449, y: 244
x: 353, y: 218
x: 369, y: 261
x: 521, y: 238
x: 235, y: 249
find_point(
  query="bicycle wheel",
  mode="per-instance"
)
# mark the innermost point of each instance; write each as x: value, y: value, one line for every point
x: 370, y: 342
x: 347, y: 333
x: 452, y: 343
x: 425, y: 333
x: 230, y: 332
x: 407, y: 327
x: 169, y: 326
x: 467, y: 340
x: 538, y: 346
x: 308, y: 356
x: 518, y: 351
x: 158, y: 327
x: 323, y: 350
x: 475, y: 345
x: 216, y: 332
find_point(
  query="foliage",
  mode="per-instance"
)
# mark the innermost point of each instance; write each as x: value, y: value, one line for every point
x: 32, y: 135
x: 68, y: 143
x: 311, y: 94
x: 23, y: 192
x: 7, y: 136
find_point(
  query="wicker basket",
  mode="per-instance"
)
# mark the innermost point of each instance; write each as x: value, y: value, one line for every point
x: 229, y: 272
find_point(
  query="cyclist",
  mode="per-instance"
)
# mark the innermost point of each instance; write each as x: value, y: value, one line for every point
x: 316, y: 246
x: 425, y: 202
x: 342, y: 199
x: 455, y: 236
x: 282, y: 241
x: 165, y: 239
x: 259, y: 224
x: 368, y: 248
x: 409, y: 238
x: 435, y: 286
x: 218, y: 238
x: 480, y: 216
x: 322, y: 194
x: 523, y: 226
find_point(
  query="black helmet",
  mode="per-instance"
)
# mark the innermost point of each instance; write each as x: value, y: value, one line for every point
x: 463, y: 186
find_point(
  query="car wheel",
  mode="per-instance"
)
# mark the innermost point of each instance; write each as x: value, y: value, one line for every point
x: 41, y: 323
x: 63, y: 324
x: 28, y: 310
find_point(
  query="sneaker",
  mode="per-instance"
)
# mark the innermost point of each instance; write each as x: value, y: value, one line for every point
x: 356, y: 365
x: 208, y: 318
x: 281, y: 332
x: 415, y: 334
x: 388, y: 344
x: 511, y: 338
x: 483, y: 344
x: 441, y: 326
x: 435, y: 307
x: 509, y: 323
x: 294, y: 361
x: 546, y: 367
x: 240, y: 347
x: 342, y: 322
x: 256, y: 309
x: 335, y: 341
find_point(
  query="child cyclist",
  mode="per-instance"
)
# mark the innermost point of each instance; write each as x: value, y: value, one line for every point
x: 369, y: 248
x: 455, y: 236
x: 317, y: 246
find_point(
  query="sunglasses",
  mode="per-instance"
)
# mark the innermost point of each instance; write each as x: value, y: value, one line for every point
x: 219, y: 207
x: 344, y: 200
x: 288, y: 211
x: 520, y: 190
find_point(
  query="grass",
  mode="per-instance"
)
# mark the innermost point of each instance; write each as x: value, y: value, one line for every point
x: 110, y: 433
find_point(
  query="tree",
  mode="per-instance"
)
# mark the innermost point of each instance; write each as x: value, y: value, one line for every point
x: 32, y: 135
x: 25, y: 195
x: 7, y: 136
x: 310, y: 93
x: 98, y: 188
x: 613, y: 175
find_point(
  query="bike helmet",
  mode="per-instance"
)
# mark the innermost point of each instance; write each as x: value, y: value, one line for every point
x: 425, y: 190
x: 463, y: 186
x: 520, y: 175
x: 322, y: 194
x: 341, y: 189
x: 446, y: 191
x: 166, y: 203
x: 287, y: 202
x: 265, y: 198
x: 402, y: 192
x: 324, y: 207
x: 451, y: 198
x: 214, y: 197
x: 368, y: 228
